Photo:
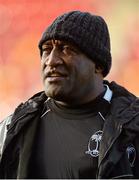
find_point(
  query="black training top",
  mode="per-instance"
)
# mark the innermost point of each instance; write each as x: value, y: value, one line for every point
x: 67, y: 141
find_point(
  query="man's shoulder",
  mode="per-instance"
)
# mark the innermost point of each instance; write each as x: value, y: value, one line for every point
x: 35, y: 100
x: 124, y: 103
x: 122, y: 93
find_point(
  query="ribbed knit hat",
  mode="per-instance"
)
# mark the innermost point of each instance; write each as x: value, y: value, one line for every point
x: 88, y: 32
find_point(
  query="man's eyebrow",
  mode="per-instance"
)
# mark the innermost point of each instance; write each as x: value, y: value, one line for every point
x: 46, y: 43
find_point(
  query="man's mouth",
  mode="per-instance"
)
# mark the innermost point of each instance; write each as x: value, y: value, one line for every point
x: 55, y: 77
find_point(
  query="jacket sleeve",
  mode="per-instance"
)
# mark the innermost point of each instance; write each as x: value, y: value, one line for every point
x: 3, y: 132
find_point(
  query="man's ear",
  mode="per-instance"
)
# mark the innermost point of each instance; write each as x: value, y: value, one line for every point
x: 98, y: 69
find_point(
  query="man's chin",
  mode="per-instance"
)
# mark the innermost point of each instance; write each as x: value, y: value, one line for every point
x: 56, y: 94
x: 57, y: 91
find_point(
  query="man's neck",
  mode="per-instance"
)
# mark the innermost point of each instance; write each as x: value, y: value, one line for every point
x: 81, y: 101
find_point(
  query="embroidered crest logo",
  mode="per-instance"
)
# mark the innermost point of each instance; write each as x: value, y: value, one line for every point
x: 94, y: 143
x: 131, y: 154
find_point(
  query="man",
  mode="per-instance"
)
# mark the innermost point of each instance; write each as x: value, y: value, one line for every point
x: 80, y: 126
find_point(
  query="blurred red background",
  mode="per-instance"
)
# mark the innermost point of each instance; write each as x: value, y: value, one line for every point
x: 22, y: 23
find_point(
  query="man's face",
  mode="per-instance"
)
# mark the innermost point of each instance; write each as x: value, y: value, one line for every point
x: 68, y: 74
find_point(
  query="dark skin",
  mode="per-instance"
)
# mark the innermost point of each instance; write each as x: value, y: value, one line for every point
x: 69, y: 76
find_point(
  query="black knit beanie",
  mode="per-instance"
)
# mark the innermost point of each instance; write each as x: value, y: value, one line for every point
x: 88, y: 32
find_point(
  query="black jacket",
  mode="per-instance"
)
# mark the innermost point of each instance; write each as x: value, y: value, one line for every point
x: 119, y: 148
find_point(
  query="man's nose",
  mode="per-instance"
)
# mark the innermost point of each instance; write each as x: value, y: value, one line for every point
x: 54, y: 58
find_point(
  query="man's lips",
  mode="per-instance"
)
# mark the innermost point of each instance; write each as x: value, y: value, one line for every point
x: 55, y: 76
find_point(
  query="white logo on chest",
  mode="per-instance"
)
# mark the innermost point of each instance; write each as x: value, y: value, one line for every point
x: 94, y: 143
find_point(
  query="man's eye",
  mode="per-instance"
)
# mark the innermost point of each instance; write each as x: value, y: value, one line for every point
x: 67, y: 48
x: 46, y: 50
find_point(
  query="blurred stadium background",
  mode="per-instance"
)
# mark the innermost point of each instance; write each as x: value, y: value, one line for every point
x: 22, y: 23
